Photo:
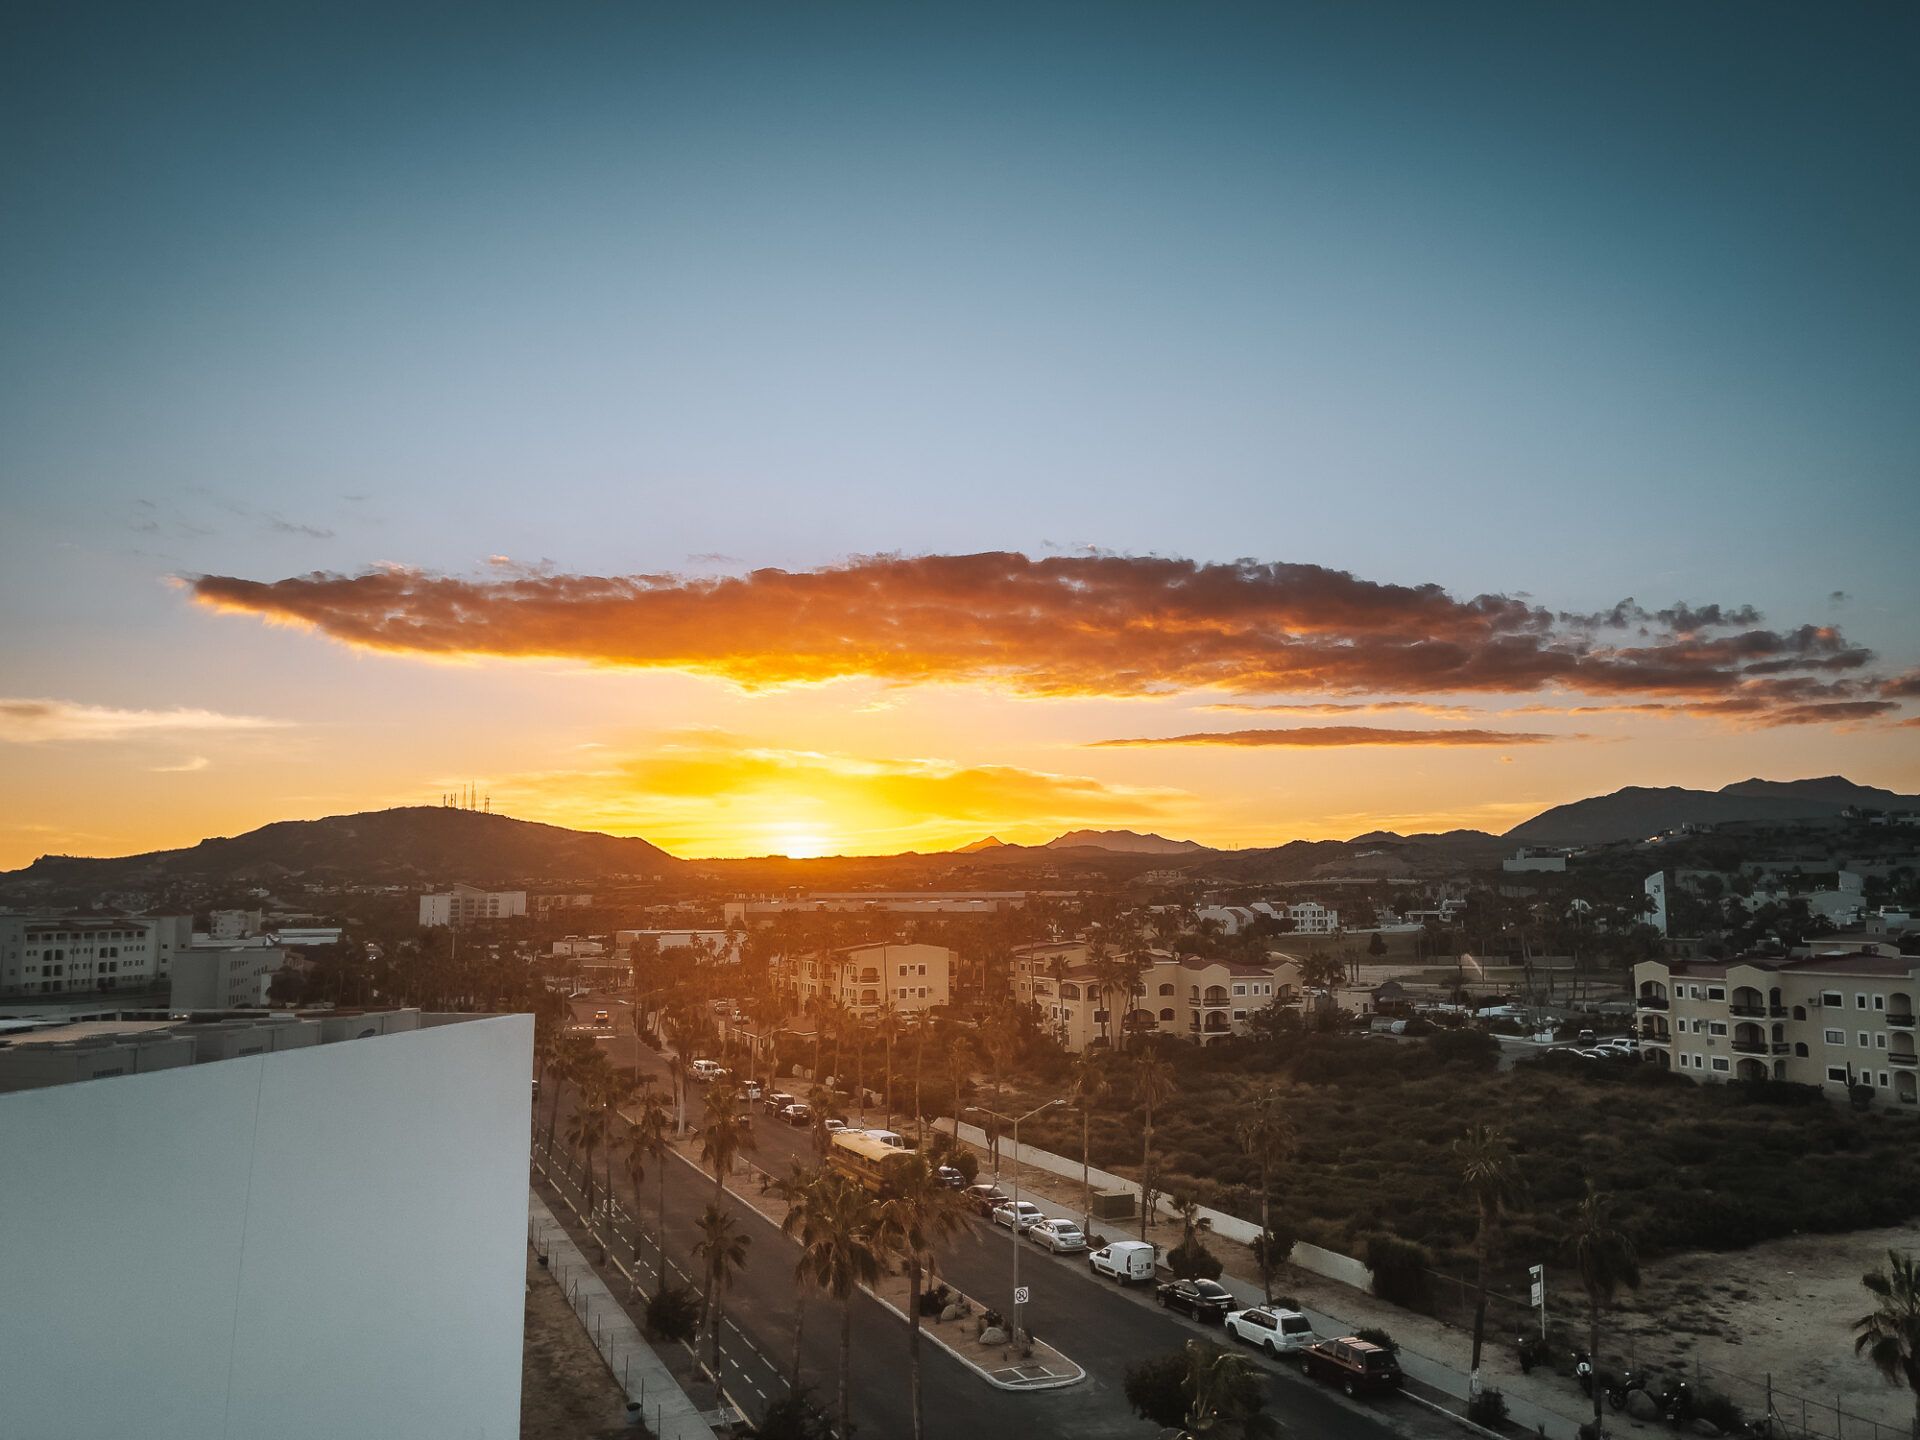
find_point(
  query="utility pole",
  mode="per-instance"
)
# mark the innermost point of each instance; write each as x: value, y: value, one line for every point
x: 1019, y: 1295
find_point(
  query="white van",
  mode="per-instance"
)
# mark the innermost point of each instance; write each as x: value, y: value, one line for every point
x: 706, y: 1070
x: 1125, y: 1260
x: 889, y: 1138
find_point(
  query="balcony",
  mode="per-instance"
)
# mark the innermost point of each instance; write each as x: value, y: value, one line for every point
x: 1752, y: 1012
x: 1900, y: 1022
x: 1652, y: 1002
x: 1651, y: 1039
x: 1905, y: 1062
x: 1214, y: 1004
x: 1750, y: 1047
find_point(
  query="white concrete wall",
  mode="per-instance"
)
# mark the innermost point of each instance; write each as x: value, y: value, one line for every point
x: 1330, y: 1263
x: 314, y: 1243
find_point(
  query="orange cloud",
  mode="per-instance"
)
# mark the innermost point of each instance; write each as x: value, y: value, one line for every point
x: 1068, y: 625
x: 1318, y: 736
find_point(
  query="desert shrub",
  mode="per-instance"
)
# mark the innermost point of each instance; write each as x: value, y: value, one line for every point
x: 674, y: 1314
x: 968, y: 1164
x: 1272, y: 1247
x: 1711, y: 1405
x: 1374, y: 1335
x: 1192, y: 1260
x: 1488, y: 1408
x: 795, y: 1417
x: 933, y: 1301
x: 1469, y: 1049
x: 1400, y: 1271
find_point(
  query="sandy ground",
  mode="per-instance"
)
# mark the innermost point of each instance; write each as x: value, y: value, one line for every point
x: 1784, y: 1308
x: 566, y: 1390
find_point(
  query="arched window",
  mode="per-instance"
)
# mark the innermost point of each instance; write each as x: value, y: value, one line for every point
x: 1800, y: 1050
x: 1069, y: 992
x: 1166, y: 1015
x: 1166, y: 989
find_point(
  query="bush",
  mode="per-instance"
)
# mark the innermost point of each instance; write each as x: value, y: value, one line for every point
x: 1400, y: 1271
x: 1156, y: 1388
x: 1193, y: 1262
x: 933, y: 1301
x: 674, y: 1314
x: 1272, y: 1247
x: 1711, y: 1405
x: 1374, y: 1335
x: 1488, y: 1408
x: 795, y: 1417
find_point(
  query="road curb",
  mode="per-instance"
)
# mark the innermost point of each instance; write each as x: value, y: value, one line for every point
x: 1454, y: 1415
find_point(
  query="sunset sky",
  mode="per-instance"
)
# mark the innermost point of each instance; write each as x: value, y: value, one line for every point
x: 832, y: 428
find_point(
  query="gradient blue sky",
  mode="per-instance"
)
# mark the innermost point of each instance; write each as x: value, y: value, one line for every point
x: 1578, y: 302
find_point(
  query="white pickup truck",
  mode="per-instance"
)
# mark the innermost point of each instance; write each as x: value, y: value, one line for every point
x: 1125, y: 1260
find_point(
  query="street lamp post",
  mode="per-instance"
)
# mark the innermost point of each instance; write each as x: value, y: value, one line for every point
x: 1019, y: 1305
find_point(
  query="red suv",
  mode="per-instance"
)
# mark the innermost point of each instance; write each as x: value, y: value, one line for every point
x: 1352, y: 1363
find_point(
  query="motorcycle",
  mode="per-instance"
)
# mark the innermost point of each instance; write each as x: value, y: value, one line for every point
x: 1619, y: 1388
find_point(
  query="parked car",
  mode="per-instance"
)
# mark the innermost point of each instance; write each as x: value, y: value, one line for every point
x: 603, y: 1019
x: 984, y: 1197
x: 777, y: 1101
x: 1063, y: 1237
x: 1019, y: 1214
x: 1276, y: 1331
x: 705, y: 1070
x: 750, y: 1092
x: 834, y: 1127
x: 798, y: 1113
x: 1352, y: 1363
x: 890, y: 1139
x: 1124, y: 1260
x: 948, y: 1176
x: 1202, y: 1299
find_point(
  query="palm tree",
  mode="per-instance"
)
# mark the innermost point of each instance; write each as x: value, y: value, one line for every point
x: 725, y: 1251
x: 570, y: 1061
x: 1266, y: 1136
x: 960, y: 1064
x: 618, y: 1088
x: 921, y: 1025
x: 1492, y: 1177
x: 1890, y: 1336
x: 655, y: 1125
x: 1087, y: 1087
x: 1152, y: 1085
x: 726, y: 1135
x: 636, y: 1148
x: 889, y: 1032
x: 921, y: 1216
x: 587, y: 1132
x: 838, y: 1255
x: 800, y: 1192
x: 1604, y: 1258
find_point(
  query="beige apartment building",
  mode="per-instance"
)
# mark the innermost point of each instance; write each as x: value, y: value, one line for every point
x: 1183, y: 995
x: 1830, y: 1020
x: 868, y: 979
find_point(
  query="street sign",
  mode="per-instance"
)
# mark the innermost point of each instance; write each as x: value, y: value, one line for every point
x: 1539, y: 1286
x: 1020, y: 1295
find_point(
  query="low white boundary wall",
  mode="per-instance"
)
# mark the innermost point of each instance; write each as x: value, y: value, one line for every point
x: 1330, y: 1263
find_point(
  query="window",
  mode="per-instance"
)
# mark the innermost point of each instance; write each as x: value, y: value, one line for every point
x: 1166, y: 989
x: 1239, y: 1014
x: 1166, y: 1015
x: 1880, y: 1042
x: 1865, y: 1043
x: 1883, y: 1079
x: 1859, y: 1002
x: 1837, y: 1072
x: 1800, y: 1050
x: 903, y: 969
x: 1836, y: 1037
x: 923, y: 969
x: 1879, y: 1002
x: 1832, y: 997
x: 1716, y: 992
x: 1719, y: 1062
x: 1239, y: 989
x: 1696, y: 991
x: 1716, y: 1027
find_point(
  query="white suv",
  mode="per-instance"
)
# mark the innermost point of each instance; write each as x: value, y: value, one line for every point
x: 1276, y: 1331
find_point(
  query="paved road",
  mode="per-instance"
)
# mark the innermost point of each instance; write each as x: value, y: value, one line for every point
x: 1091, y: 1320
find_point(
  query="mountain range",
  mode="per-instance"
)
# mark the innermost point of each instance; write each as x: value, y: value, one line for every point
x: 438, y: 845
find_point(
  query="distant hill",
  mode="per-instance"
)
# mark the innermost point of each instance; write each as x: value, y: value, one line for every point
x: 427, y: 843
x: 992, y: 842
x: 1638, y: 812
x: 1378, y: 855
x: 1125, y: 842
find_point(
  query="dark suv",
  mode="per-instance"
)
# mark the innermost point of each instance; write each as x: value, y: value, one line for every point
x: 984, y: 1198
x: 1202, y: 1299
x: 1352, y: 1363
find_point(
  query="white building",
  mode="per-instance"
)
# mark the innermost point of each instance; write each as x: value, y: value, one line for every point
x: 1179, y: 995
x: 868, y: 979
x: 722, y: 946
x: 877, y: 902
x: 468, y: 905
x: 307, y: 1242
x: 61, y: 954
x: 223, y: 977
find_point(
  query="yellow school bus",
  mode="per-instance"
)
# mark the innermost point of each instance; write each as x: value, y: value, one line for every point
x: 860, y: 1157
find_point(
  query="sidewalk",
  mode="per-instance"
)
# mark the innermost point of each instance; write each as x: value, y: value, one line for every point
x: 664, y: 1406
